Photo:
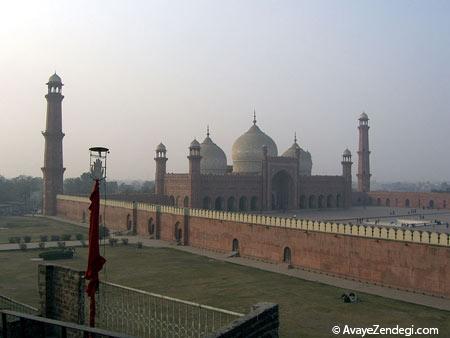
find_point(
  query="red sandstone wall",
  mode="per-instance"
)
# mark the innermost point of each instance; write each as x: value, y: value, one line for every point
x: 406, y: 265
x: 425, y: 268
x: 416, y: 199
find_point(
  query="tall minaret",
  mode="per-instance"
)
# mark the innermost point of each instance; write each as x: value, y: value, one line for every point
x: 53, y: 169
x: 194, y: 174
x: 160, y: 174
x: 363, y: 154
x: 347, y: 174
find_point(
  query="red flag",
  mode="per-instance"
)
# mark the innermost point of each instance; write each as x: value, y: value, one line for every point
x: 95, y: 261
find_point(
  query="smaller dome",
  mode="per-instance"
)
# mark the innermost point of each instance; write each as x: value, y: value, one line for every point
x: 195, y: 144
x: 305, y: 161
x: 363, y: 116
x: 161, y: 147
x: 214, y: 160
x: 54, y: 78
x: 347, y: 153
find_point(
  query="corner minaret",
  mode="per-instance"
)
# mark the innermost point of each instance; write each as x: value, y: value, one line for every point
x: 347, y: 174
x: 53, y: 169
x: 363, y: 154
x: 194, y: 173
x: 160, y: 174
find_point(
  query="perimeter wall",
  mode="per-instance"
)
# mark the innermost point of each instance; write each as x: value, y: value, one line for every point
x: 411, y: 260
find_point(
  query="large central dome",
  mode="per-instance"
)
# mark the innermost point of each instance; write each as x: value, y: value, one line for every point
x: 247, y: 152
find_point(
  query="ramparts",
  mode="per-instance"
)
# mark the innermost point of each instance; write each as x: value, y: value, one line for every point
x: 400, y: 258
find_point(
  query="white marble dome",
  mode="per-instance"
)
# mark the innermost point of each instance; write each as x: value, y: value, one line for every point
x: 247, y: 151
x: 305, y: 161
x: 214, y: 160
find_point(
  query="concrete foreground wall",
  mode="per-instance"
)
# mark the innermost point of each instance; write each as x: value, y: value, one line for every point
x: 404, y: 259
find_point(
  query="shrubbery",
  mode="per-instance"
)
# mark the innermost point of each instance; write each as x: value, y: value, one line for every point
x: 125, y: 241
x: 56, y: 254
x: 41, y: 245
x: 22, y: 246
x: 61, y: 244
x: 79, y: 237
x: 14, y: 239
x: 54, y: 238
x: 113, y: 241
x: 66, y: 237
x: 27, y: 239
x: 104, y: 232
x: 44, y: 238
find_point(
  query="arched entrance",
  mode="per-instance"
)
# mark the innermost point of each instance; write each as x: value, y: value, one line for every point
x: 186, y: 202
x: 388, y: 202
x: 218, y: 204
x: 329, y: 201
x: 254, y: 203
x: 235, y: 245
x: 338, y: 201
x: 287, y: 255
x: 321, y: 202
x: 151, y: 226
x: 407, y: 203
x: 312, y: 202
x: 206, y: 202
x: 129, y: 224
x: 431, y: 204
x: 172, y: 200
x: 282, y: 191
x: 178, y: 233
x: 302, y: 203
x: 243, y: 203
x: 231, y: 204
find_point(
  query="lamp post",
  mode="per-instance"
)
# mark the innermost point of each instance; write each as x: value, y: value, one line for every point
x: 95, y: 261
x: 97, y: 162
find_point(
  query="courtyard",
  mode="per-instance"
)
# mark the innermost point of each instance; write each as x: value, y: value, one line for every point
x: 368, y: 215
x: 35, y: 227
x: 307, y: 309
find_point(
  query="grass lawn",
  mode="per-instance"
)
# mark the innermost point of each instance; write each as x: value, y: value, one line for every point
x: 35, y: 227
x: 307, y: 309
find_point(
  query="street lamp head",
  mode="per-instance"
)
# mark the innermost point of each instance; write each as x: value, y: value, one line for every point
x: 97, y: 162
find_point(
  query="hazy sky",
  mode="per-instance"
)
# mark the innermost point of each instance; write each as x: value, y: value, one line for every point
x: 140, y: 72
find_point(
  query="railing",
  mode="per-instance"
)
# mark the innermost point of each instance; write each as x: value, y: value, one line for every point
x: 17, y: 324
x: 11, y: 304
x: 145, y: 314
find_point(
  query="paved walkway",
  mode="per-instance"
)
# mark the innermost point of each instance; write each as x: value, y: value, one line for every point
x: 346, y: 284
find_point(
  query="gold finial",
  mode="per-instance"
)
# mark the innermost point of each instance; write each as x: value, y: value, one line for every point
x: 254, y: 116
x: 295, y: 137
x: 207, y: 130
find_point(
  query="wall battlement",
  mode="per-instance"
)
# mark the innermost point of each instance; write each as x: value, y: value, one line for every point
x: 400, y: 258
x: 402, y: 235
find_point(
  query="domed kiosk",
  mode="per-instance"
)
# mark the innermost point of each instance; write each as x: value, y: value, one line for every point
x: 247, y: 151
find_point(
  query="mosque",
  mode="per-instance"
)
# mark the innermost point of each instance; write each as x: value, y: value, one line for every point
x: 258, y: 180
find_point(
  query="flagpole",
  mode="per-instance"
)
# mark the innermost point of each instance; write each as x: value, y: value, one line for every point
x: 95, y: 260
